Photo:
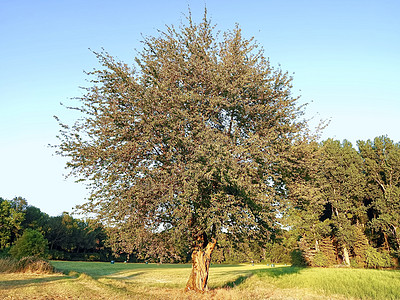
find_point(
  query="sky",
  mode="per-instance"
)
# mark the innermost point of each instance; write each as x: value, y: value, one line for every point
x: 344, y: 56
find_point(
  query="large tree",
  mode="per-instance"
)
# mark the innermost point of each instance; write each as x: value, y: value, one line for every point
x: 187, y: 144
x: 382, y: 166
x: 327, y: 189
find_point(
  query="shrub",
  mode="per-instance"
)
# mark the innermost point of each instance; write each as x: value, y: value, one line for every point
x: 34, y: 265
x: 57, y: 255
x: 31, y: 243
x: 328, y: 251
x: 360, y: 247
x: 297, y: 258
x: 92, y: 257
x: 5, y: 252
x: 320, y: 260
x: 376, y: 259
x: 8, y: 265
x: 29, y: 264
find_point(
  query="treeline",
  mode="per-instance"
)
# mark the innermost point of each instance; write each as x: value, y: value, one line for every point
x: 67, y: 238
x: 25, y: 230
x: 343, y: 203
x: 341, y: 206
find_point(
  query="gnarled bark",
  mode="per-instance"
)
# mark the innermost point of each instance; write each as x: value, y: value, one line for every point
x: 201, y: 259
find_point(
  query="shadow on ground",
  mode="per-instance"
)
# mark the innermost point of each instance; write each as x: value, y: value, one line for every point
x: 267, y: 272
x: 237, y: 281
x: 277, y: 272
x: 123, y: 275
x: 17, y: 283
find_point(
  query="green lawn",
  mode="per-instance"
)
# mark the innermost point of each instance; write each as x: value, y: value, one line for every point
x: 94, y: 280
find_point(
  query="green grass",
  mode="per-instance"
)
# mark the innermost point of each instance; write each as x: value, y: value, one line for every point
x: 356, y: 283
x: 95, y: 280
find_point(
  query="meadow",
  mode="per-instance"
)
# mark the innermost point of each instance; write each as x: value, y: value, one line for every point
x: 96, y: 280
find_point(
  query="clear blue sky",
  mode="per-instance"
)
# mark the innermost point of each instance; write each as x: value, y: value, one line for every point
x: 345, y: 55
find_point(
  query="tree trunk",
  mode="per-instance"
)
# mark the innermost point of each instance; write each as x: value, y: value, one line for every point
x: 346, y: 255
x: 201, y: 259
x: 386, y: 243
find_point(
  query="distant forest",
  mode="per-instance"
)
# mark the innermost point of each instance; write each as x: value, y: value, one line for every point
x: 341, y: 207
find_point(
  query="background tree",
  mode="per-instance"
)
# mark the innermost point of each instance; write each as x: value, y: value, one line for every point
x: 189, y: 144
x: 31, y: 243
x: 10, y: 222
x: 343, y: 187
x: 34, y: 218
x: 305, y: 203
x: 337, y: 202
x: 382, y: 166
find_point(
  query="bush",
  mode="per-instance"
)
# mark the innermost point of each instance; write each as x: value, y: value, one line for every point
x: 5, y: 252
x: 31, y: 243
x: 57, y: 255
x: 320, y: 260
x: 29, y: 264
x: 35, y: 265
x: 92, y: 257
x: 8, y: 265
x: 375, y: 259
x: 297, y: 258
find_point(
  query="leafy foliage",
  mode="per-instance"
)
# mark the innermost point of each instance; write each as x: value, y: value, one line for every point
x: 10, y: 222
x: 68, y: 238
x: 31, y: 243
x: 375, y: 259
x: 348, y: 195
x: 189, y: 144
x: 382, y: 166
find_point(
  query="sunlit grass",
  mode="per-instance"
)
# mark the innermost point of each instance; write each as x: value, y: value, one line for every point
x: 93, y: 280
x: 358, y: 283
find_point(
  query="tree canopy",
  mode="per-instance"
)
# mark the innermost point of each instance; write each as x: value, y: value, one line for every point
x: 344, y: 203
x: 10, y: 221
x: 188, y: 143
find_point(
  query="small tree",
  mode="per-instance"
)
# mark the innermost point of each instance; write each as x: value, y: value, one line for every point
x: 31, y: 243
x: 189, y: 144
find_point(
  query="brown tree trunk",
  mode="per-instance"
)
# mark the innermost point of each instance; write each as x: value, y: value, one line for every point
x: 201, y: 259
x: 386, y: 243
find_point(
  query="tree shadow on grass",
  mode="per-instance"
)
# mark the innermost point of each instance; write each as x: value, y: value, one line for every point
x: 267, y: 272
x: 237, y: 281
x: 123, y: 275
x: 278, y: 271
x: 17, y: 283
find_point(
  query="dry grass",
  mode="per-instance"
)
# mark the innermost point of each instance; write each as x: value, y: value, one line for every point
x: 138, y: 281
x: 33, y: 286
x: 29, y: 264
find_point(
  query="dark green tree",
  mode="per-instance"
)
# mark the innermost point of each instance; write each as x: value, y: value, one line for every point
x: 327, y: 191
x: 34, y: 218
x: 71, y: 238
x: 306, y: 203
x: 31, y: 243
x: 382, y: 166
x: 343, y: 187
x: 56, y: 233
x: 66, y: 233
x: 189, y: 143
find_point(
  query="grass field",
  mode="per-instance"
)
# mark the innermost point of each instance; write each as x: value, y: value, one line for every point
x: 94, y: 280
